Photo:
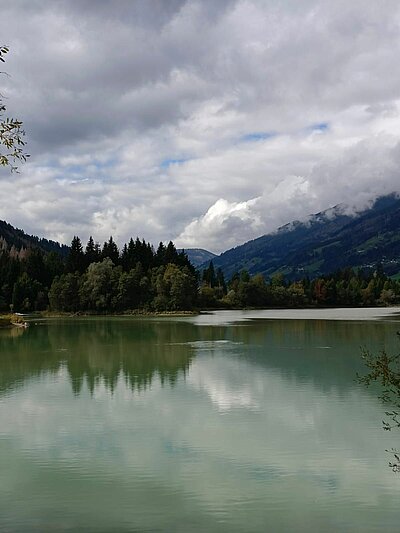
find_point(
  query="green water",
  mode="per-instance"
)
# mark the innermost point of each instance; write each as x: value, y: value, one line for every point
x: 234, y: 421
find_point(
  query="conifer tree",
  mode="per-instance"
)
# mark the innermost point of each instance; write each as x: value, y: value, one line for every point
x: 76, y: 257
x: 92, y: 252
x: 125, y: 258
x: 220, y: 279
x: 160, y: 254
x: 110, y: 249
x: 209, y: 275
x: 171, y: 255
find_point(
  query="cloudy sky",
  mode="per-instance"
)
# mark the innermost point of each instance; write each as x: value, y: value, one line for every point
x: 209, y: 123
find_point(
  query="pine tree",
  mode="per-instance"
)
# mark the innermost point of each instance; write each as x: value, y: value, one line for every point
x: 171, y: 255
x: 76, y: 258
x: 220, y: 279
x: 125, y: 258
x: 160, y: 254
x: 92, y: 252
x: 209, y: 276
x: 110, y: 249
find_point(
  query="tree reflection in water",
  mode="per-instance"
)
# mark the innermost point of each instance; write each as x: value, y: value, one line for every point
x: 96, y: 351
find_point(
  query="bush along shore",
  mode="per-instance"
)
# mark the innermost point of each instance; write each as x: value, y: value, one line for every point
x: 12, y: 320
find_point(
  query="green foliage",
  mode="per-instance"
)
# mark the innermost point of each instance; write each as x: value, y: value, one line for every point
x: 107, y: 280
x: 110, y: 250
x: 133, y: 289
x: 92, y: 252
x: 343, y: 288
x: 208, y: 298
x: 28, y: 294
x: 11, y: 133
x: 180, y: 286
x: 76, y: 257
x: 64, y: 293
x: 136, y: 278
x: 209, y: 277
x: 97, y: 280
x: 99, y: 286
x: 384, y: 369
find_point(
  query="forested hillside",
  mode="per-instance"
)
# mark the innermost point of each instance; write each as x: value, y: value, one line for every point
x: 301, y: 265
x: 11, y: 237
x: 326, y: 242
x: 198, y: 256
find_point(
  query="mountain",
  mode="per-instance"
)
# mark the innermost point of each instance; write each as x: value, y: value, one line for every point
x: 19, y: 239
x: 324, y: 243
x: 198, y: 256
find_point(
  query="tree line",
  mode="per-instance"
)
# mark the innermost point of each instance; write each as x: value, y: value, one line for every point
x: 98, y: 279
x: 105, y: 278
x: 346, y: 287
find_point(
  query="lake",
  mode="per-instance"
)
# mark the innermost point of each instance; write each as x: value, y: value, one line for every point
x: 233, y: 421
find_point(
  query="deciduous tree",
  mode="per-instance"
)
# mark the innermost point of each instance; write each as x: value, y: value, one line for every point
x: 12, y: 144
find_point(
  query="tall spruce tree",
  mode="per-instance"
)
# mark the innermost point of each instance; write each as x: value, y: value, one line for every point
x: 110, y: 249
x: 76, y: 258
x: 209, y: 277
x: 92, y: 252
x: 171, y: 255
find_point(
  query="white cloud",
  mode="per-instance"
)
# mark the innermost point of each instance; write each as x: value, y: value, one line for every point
x: 232, y: 90
x: 220, y: 218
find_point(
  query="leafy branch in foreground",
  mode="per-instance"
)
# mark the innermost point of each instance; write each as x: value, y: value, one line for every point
x: 384, y: 369
x: 11, y: 133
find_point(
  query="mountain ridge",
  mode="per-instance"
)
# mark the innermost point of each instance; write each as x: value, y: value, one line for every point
x: 320, y: 244
x: 198, y: 256
x: 323, y: 243
x: 11, y: 236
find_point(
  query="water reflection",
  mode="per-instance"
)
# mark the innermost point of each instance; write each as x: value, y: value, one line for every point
x: 96, y: 351
x: 267, y: 430
x: 326, y: 353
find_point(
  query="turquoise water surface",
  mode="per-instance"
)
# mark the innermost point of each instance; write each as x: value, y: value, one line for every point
x: 233, y: 421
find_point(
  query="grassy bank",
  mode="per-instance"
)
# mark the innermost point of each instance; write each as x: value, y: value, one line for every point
x: 11, y: 320
x: 134, y: 312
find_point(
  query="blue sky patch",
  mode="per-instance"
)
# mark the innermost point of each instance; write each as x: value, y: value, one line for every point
x: 322, y: 126
x: 168, y: 162
x: 258, y: 136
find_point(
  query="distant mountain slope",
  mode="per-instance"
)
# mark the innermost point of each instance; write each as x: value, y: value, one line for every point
x: 327, y: 241
x: 18, y: 238
x: 198, y: 256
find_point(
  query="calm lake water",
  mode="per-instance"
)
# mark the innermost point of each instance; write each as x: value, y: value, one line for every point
x: 233, y: 421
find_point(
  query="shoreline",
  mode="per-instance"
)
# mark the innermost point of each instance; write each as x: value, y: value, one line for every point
x: 22, y: 321
x: 138, y: 313
x: 8, y: 320
x: 12, y: 320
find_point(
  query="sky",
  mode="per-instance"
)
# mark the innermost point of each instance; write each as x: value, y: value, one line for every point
x: 208, y: 123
